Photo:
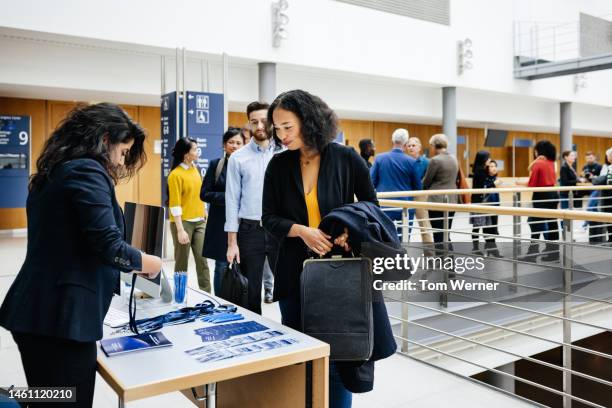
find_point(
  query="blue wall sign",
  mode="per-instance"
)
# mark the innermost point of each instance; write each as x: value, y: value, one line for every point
x: 14, y: 160
x: 205, y: 122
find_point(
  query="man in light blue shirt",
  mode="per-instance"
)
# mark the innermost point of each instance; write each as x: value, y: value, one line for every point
x: 247, y: 242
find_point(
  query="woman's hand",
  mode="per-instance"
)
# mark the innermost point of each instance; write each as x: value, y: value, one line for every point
x: 316, y: 240
x: 151, y: 266
x: 183, y: 237
x: 342, y: 240
x: 151, y: 275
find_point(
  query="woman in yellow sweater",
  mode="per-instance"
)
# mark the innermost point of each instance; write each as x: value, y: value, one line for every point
x: 187, y: 211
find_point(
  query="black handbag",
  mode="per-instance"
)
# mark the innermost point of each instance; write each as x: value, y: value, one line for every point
x: 336, y: 296
x: 235, y: 286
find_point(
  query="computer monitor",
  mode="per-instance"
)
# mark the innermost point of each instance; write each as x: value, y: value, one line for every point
x: 496, y: 138
x: 144, y: 229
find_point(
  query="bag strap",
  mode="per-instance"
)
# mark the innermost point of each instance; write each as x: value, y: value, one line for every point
x: 219, y: 168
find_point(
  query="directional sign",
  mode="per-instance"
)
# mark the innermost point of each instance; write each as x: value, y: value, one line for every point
x: 205, y: 121
x: 14, y: 160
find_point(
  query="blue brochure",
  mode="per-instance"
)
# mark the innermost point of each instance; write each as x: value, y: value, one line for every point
x: 225, y: 331
x: 127, y: 344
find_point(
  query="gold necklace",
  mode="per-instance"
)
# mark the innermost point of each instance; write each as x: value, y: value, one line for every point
x: 306, y: 162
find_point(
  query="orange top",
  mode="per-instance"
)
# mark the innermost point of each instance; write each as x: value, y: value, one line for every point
x: 312, y: 205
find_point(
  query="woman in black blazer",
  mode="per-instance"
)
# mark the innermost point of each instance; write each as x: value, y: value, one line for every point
x: 306, y: 126
x: 76, y: 248
x: 213, y: 193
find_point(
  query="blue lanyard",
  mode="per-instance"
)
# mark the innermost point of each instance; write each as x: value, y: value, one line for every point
x: 183, y: 315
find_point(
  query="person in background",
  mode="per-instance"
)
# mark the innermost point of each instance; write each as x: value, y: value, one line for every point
x: 441, y: 174
x: 56, y: 305
x: 480, y: 221
x: 187, y: 212
x: 367, y: 150
x: 302, y: 185
x: 492, y: 199
x: 543, y: 175
x: 605, y: 178
x: 246, y: 133
x: 414, y: 148
x: 247, y: 242
x: 590, y: 171
x: 569, y: 177
x: 395, y: 171
x: 213, y: 193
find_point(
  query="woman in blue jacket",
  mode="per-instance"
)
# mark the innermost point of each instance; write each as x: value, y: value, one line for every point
x: 76, y: 248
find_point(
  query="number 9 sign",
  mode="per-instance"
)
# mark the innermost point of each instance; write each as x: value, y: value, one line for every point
x: 23, y: 138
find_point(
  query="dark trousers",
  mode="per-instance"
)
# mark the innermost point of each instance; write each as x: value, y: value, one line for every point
x: 438, y: 236
x: 291, y: 316
x: 547, y: 226
x: 55, y: 362
x: 490, y: 229
x: 255, y: 245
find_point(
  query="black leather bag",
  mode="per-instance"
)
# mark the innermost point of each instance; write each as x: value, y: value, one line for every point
x: 336, y: 296
x: 235, y: 286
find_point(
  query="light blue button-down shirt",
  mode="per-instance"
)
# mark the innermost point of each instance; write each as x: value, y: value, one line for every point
x: 244, y: 183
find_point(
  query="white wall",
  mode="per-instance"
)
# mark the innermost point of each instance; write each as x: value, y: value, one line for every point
x: 365, y: 63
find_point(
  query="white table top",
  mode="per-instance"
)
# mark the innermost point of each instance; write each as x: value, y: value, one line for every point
x: 153, y: 372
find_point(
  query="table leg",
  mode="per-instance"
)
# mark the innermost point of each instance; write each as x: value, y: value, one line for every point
x: 320, y: 383
x: 121, y: 403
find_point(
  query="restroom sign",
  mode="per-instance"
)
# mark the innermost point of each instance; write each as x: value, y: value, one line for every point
x: 202, y: 102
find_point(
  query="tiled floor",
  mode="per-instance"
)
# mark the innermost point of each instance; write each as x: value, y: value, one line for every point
x: 400, y: 381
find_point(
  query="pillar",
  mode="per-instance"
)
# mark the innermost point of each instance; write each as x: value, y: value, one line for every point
x: 449, y: 117
x: 267, y: 81
x: 565, y: 128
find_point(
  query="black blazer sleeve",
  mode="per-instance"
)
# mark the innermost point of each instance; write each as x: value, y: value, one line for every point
x: 271, y: 202
x: 364, y: 189
x: 567, y: 176
x: 88, y: 188
x: 207, y: 193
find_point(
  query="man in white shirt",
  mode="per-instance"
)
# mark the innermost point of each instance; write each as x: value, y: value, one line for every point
x: 247, y: 242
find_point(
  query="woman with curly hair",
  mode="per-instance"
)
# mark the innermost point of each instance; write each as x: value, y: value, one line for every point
x: 76, y: 248
x: 302, y: 185
x: 543, y: 174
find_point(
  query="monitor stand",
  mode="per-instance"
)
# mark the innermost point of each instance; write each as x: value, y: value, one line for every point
x: 166, y: 290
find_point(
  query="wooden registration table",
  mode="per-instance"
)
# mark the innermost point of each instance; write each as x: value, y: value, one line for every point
x: 291, y: 376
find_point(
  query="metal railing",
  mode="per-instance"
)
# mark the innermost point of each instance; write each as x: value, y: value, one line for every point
x: 571, y: 262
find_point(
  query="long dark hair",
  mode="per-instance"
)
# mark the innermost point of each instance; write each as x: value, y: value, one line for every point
x: 181, y: 148
x: 319, y: 122
x: 480, y: 160
x: 231, y: 132
x: 82, y: 135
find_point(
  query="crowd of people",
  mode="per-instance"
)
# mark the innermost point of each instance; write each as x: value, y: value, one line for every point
x: 279, y: 176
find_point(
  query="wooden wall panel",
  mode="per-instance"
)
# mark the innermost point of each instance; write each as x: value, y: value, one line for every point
x: 355, y: 130
x: 597, y: 145
x: 149, y: 177
x: 56, y: 111
x: 237, y: 119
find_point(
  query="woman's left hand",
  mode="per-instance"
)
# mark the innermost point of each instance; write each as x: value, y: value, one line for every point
x: 342, y: 240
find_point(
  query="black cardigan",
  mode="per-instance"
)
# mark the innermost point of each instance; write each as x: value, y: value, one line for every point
x: 567, y: 176
x: 342, y: 176
x: 213, y: 193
